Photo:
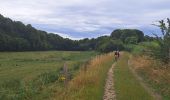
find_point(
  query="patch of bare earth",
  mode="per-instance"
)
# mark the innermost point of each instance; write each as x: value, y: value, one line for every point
x: 109, y: 93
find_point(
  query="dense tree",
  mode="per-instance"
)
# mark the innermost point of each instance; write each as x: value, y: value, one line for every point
x: 111, y: 45
x: 131, y: 40
x: 123, y: 34
x: 15, y: 36
x: 149, y: 38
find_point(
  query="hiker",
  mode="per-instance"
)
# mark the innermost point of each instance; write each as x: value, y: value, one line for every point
x: 116, y: 55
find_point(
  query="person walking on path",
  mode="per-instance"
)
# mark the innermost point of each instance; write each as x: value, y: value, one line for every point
x: 116, y: 55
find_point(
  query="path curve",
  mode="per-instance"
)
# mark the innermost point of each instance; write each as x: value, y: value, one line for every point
x: 109, y: 93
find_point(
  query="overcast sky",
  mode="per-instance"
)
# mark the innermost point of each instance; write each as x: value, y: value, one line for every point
x: 87, y: 18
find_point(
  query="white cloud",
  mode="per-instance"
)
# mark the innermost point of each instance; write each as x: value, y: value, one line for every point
x: 64, y: 35
x: 85, y: 15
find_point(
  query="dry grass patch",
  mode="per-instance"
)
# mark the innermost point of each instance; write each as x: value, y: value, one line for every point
x: 154, y: 73
x: 89, y: 83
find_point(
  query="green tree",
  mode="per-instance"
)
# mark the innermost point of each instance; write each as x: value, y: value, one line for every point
x: 131, y: 40
x: 163, y: 52
x: 111, y: 45
x: 123, y: 34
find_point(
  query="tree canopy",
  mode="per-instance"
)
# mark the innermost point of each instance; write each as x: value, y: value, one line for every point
x: 123, y: 34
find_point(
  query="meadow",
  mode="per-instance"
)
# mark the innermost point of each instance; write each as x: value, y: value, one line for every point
x: 31, y: 75
x: 35, y: 75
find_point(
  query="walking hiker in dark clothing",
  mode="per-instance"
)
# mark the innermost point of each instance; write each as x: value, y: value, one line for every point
x: 116, y: 55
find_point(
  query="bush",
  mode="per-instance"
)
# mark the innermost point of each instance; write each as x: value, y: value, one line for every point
x: 163, y: 52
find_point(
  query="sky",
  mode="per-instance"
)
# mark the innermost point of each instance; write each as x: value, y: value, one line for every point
x: 77, y: 19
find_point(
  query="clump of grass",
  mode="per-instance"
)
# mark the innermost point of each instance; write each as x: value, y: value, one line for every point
x: 154, y: 73
x: 127, y: 86
x: 17, y: 89
x: 46, y: 78
x: 11, y: 90
x: 89, y: 83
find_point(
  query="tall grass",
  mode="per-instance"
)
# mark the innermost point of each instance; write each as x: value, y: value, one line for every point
x: 17, y: 89
x: 89, y: 83
x: 153, y: 73
x: 127, y: 86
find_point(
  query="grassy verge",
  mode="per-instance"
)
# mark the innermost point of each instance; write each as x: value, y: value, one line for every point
x: 127, y: 86
x: 154, y: 73
x: 89, y: 84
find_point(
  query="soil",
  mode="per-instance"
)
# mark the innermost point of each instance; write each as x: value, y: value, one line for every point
x: 109, y: 93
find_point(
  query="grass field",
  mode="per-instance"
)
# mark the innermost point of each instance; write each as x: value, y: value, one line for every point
x: 30, y: 75
x: 34, y: 76
x: 127, y: 87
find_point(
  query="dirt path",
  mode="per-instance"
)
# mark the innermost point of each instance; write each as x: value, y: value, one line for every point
x: 109, y: 93
x: 150, y: 90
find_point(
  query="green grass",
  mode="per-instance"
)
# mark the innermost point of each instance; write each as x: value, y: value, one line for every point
x: 127, y: 86
x: 31, y: 75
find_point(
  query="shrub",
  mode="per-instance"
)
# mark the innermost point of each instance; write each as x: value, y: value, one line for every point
x: 163, y: 52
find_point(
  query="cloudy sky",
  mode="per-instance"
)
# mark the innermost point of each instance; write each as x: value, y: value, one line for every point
x: 78, y: 19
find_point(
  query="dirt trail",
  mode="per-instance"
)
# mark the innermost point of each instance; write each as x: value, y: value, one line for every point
x: 109, y: 93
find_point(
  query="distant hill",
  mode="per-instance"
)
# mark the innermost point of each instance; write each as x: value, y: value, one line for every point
x: 15, y: 36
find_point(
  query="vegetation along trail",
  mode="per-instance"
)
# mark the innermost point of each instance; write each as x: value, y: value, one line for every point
x: 150, y: 90
x: 87, y: 84
x: 127, y: 87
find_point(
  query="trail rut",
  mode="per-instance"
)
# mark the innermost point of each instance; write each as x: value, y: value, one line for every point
x: 109, y: 93
x: 151, y: 91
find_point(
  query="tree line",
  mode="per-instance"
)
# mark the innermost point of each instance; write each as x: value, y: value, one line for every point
x: 16, y: 36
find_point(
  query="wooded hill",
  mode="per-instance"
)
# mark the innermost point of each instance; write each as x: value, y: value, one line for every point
x: 16, y: 36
